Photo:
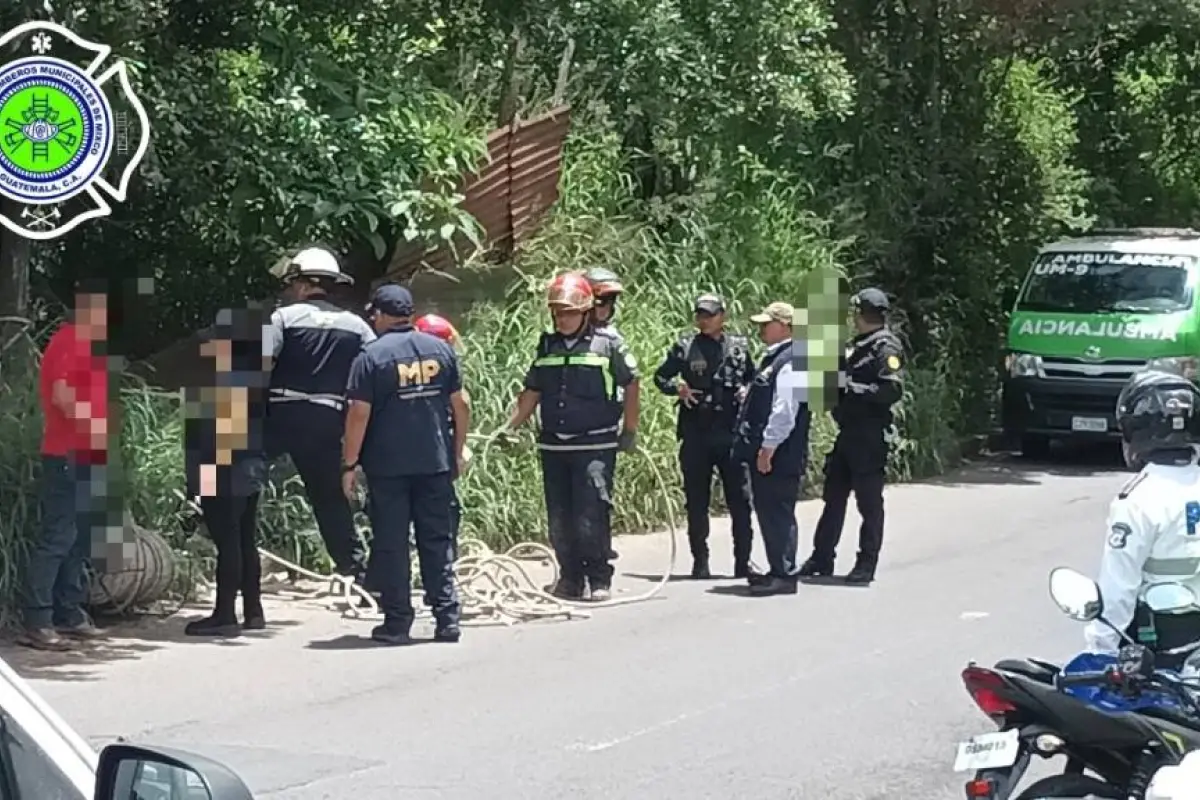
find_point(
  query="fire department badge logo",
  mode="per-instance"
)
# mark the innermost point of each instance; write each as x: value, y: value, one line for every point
x: 68, y: 119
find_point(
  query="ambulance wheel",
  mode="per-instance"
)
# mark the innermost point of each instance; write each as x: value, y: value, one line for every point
x: 1035, y: 447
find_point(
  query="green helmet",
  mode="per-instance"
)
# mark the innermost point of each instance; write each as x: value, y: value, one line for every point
x: 604, y: 282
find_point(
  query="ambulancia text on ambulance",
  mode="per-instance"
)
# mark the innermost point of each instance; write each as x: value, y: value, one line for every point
x: 1091, y: 312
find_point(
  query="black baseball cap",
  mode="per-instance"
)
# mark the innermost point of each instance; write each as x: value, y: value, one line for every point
x: 393, y: 300
x: 871, y: 299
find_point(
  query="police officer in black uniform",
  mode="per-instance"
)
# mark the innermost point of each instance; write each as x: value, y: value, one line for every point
x: 406, y: 429
x: 707, y: 370
x: 772, y: 446
x: 872, y: 385
x: 574, y: 383
x: 312, y: 343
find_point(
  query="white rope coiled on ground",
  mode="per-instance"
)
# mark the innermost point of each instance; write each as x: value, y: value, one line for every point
x: 497, y: 588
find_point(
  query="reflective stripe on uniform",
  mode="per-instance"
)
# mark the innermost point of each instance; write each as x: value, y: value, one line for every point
x: 577, y: 447
x: 1172, y: 567
x: 291, y: 396
x: 582, y: 360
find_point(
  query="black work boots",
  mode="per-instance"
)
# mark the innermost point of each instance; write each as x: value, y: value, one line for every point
x: 863, y: 573
x: 223, y: 626
x: 815, y: 568
x: 563, y: 589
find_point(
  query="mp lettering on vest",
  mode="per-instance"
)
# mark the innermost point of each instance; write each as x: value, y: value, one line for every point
x: 418, y: 372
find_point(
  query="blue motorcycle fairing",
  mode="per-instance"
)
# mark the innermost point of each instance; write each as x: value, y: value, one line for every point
x: 1109, y: 698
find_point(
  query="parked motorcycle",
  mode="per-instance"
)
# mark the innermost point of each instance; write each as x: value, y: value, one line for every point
x: 1116, y: 723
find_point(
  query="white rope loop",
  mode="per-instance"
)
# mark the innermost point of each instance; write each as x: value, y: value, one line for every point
x: 496, y: 588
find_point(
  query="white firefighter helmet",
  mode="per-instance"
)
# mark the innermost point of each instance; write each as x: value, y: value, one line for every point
x: 314, y: 262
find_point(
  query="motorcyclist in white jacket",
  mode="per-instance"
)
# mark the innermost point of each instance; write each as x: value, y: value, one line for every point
x: 1154, y: 523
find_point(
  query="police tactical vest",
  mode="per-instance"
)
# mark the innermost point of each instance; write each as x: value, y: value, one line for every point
x: 580, y: 407
x: 792, y: 454
x: 851, y: 409
x: 715, y: 382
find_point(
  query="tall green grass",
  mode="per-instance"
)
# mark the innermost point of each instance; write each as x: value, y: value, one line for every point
x: 754, y: 247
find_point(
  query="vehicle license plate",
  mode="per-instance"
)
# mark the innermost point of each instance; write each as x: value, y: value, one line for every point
x: 1089, y: 424
x: 988, y: 751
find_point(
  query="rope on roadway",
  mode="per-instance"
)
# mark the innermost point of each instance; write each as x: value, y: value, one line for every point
x: 497, y: 588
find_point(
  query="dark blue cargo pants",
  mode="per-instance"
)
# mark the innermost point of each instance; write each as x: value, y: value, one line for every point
x: 423, y: 505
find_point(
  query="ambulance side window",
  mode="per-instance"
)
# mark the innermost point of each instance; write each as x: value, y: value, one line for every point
x: 26, y: 771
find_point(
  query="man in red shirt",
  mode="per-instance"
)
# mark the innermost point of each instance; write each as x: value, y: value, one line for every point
x: 74, y: 394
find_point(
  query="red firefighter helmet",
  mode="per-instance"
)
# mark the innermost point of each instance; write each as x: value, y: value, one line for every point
x: 439, y: 326
x: 570, y: 291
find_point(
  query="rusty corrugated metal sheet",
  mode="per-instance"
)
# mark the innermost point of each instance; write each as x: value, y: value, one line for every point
x: 509, y: 195
x: 535, y: 159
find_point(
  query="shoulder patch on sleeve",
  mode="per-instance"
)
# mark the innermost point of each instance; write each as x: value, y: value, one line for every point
x: 1133, y: 483
x: 1119, y: 535
x: 893, y: 362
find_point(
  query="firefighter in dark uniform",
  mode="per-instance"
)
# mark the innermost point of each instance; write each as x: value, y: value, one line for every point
x: 872, y: 385
x: 574, y: 384
x: 312, y: 343
x: 606, y: 289
x: 772, y: 446
x: 406, y: 430
x: 708, y: 370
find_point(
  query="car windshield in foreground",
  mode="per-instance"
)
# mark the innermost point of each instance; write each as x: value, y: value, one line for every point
x: 1089, y: 283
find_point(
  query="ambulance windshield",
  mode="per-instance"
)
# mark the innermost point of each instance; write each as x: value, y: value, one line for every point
x: 1107, y: 282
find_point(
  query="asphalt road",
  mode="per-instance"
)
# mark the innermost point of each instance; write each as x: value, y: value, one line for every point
x: 834, y: 693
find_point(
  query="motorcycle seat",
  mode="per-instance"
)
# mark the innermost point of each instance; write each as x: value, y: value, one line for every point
x: 1035, y: 670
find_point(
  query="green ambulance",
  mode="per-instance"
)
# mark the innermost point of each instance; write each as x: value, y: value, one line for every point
x: 1091, y: 312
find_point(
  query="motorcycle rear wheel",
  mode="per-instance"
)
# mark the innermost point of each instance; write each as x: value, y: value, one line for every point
x: 1071, y: 786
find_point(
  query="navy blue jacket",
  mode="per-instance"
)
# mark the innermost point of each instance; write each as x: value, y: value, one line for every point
x: 791, y: 455
x: 407, y: 377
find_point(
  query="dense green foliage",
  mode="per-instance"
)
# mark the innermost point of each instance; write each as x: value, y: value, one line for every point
x: 927, y: 147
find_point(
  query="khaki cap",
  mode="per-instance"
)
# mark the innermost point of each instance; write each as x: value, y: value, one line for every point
x: 775, y: 312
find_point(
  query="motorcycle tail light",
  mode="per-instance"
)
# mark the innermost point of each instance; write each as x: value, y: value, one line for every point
x: 980, y: 789
x: 985, y: 686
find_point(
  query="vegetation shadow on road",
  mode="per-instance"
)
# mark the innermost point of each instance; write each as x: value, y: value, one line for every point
x: 1008, y: 468
x: 124, y: 638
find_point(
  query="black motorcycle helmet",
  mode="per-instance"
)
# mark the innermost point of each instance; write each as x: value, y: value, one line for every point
x: 1158, y: 414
